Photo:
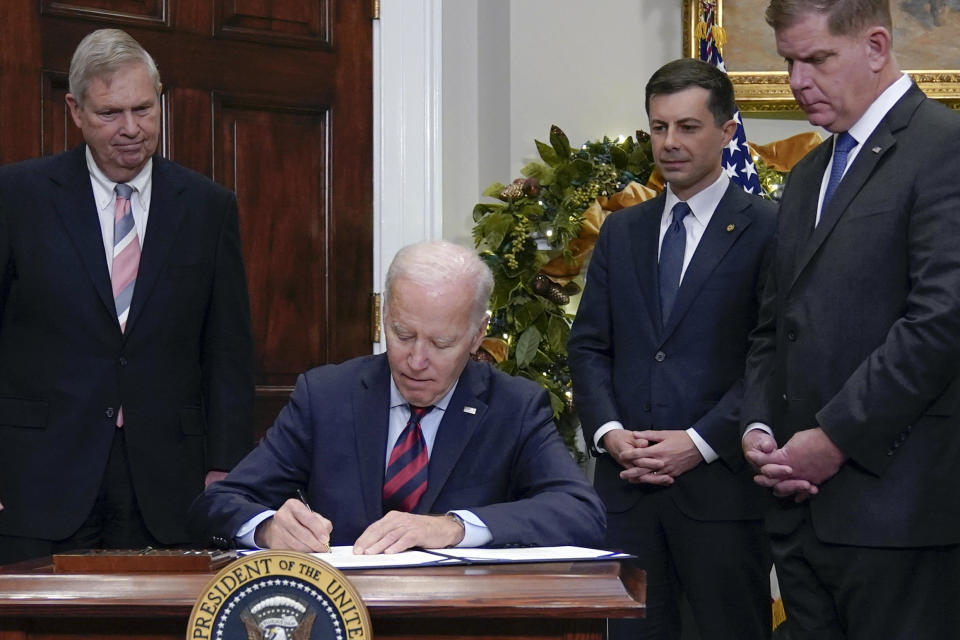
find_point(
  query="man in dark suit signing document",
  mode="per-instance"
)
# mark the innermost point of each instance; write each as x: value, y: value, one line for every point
x: 852, y: 405
x: 126, y: 358
x: 418, y: 447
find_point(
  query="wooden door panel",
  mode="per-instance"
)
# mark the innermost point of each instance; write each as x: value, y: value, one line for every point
x: 280, y: 157
x: 154, y: 13
x: 59, y: 132
x: 290, y: 22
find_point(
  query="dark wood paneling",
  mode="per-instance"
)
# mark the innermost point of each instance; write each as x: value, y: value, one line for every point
x: 303, y: 23
x: 154, y: 13
x: 59, y: 132
x: 276, y: 159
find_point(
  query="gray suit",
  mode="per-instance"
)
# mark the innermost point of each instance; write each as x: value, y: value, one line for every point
x: 860, y: 334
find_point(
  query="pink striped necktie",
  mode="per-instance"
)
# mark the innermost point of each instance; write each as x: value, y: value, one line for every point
x: 406, y: 478
x: 126, y: 260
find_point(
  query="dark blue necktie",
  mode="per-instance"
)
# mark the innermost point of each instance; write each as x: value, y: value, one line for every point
x: 841, y: 149
x: 671, y: 259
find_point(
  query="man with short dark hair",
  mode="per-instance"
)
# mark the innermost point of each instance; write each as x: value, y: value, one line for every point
x: 657, y: 354
x: 418, y: 447
x: 126, y: 364
x: 852, y: 405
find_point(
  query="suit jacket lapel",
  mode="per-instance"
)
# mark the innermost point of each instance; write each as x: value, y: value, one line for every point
x: 168, y: 205
x: 645, y: 237
x: 456, y: 429
x: 371, y: 406
x: 725, y: 226
x: 72, y: 197
x: 882, y: 139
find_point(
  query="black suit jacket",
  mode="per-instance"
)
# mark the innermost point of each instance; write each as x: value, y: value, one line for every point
x: 860, y: 331
x: 182, y: 371
x: 497, y: 453
x: 687, y: 374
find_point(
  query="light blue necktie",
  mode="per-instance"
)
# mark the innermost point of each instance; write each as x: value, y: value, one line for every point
x: 671, y: 259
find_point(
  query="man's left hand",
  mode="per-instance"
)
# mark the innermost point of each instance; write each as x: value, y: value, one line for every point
x: 807, y: 460
x: 398, y: 531
x: 672, y: 453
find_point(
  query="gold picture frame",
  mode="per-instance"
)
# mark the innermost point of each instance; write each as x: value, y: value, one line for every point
x: 769, y: 91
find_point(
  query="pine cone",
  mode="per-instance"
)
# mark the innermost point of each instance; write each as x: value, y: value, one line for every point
x: 544, y: 286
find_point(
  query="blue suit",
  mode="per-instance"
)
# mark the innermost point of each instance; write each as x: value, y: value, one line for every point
x: 688, y: 373
x: 505, y: 462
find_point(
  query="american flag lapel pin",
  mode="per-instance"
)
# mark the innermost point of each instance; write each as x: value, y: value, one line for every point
x: 470, y: 410
x: 875, y: 149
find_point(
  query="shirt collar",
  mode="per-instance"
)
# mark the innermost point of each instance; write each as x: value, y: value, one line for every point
x: 703, y: 203
x: 878, y: 109
x: 103, y: 186
x: 397, y: 400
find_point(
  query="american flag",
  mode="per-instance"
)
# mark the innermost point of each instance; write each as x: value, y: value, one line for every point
x: 736, y: 156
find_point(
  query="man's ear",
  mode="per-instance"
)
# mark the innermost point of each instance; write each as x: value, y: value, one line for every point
x: 877, y: 42
x: 729, y: 129
x: 74, y: 108
x: 481, y: 334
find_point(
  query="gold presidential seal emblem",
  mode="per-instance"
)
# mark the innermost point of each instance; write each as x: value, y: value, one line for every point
x: 279, y: 595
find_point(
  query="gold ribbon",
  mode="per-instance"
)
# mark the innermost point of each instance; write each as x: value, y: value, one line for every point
x: 781, y: 155
x: 562, y: 271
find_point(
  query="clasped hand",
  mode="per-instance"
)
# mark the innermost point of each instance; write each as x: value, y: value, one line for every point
x: 798, y: 468
x: 296, y: 527
x: 653, y: 456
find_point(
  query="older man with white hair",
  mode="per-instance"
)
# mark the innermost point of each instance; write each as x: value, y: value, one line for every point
x: 420, y: 447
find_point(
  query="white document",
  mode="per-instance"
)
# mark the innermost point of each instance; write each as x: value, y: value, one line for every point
x: 528, y: 554
x: 342, y: 558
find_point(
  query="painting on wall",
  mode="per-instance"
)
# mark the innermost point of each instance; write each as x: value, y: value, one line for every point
x: 925, y: 36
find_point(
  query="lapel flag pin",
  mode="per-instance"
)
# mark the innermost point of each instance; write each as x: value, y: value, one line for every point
x: 731, y: 227
x: 469, y: 410
x: 875, y: 149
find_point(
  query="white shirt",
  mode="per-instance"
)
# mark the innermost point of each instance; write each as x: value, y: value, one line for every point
x: 106, y: 199
x: 861, y: 130
x: 702, y: 205
x: 475, y: 531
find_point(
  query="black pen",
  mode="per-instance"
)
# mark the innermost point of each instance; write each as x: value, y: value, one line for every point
x: 303, y: 499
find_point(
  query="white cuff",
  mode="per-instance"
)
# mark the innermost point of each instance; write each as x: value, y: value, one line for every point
x: 604, y: 429
x: 758, y: 425
x: 247, y: 532
x: 709, y: 455
x: 475, y: 532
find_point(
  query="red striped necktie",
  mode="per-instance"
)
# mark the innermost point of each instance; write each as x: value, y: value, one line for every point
x: 406, y: 478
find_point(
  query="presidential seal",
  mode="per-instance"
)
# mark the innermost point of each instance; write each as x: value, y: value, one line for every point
x: 279, y: 595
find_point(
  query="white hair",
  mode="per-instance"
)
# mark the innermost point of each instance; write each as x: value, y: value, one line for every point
x: 439, y: 262
x: 103, y: 52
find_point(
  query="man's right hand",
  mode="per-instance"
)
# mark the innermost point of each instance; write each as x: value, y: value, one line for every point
x: 619, y: 442
x: 295, y: 527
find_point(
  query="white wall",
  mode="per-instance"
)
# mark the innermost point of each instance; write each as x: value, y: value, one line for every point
x: 511, y: 68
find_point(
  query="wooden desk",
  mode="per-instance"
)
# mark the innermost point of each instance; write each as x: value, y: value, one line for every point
x: 520, y: 601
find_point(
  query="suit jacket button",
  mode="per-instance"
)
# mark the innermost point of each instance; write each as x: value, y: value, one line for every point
x: 109, y: 412
x: 791, y: 336
x: 646, y: 406
x: 660, y: 356
x: 123, y: 361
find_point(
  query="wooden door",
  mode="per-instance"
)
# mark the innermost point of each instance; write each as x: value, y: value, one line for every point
x: 271, y: 98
